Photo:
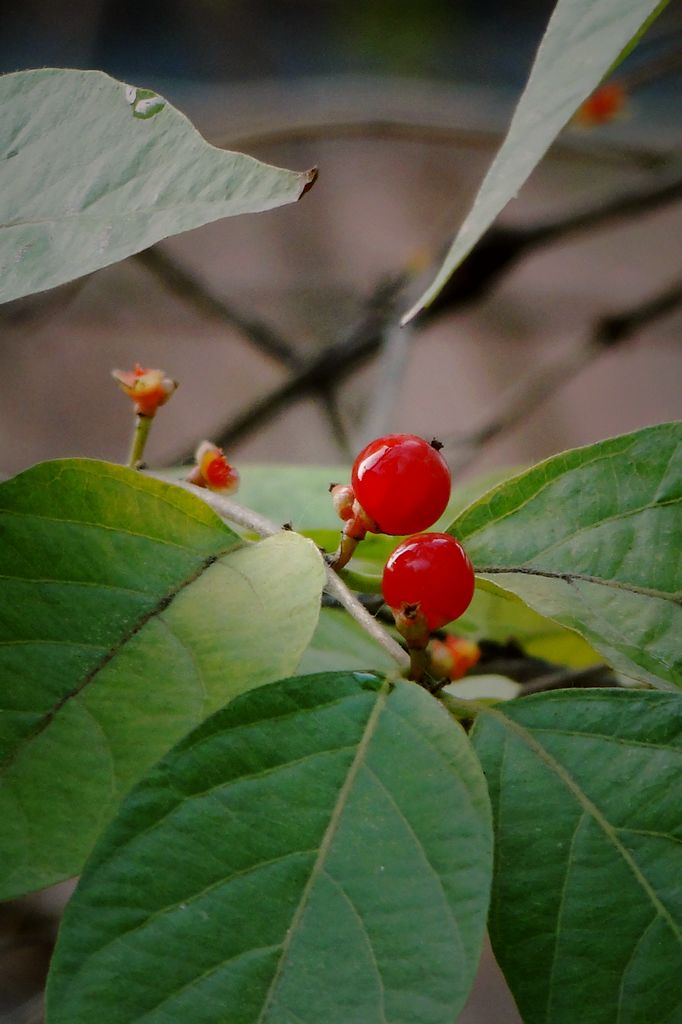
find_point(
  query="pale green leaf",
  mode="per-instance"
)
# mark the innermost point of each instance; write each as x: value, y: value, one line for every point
x: 583, y: 40
x: 320, y: 850
x: 128, y: 613
x: 92, y: 170
x: 586, y: 915
x: 593, y: 539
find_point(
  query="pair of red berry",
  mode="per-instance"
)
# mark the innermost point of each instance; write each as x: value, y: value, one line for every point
x: 401, y: 485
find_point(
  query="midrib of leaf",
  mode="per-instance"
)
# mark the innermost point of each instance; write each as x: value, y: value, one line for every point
x: 161, y: 605
x: 626, y: 513
x: 325, y: 845
x: 590, y: 808
x: 560, y: 913
x: 599, y: 456
x: 617, y: 517
x: 569, y: 577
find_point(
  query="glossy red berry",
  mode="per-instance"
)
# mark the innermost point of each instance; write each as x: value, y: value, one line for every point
x: 431, y: 573
x: 402, y: 482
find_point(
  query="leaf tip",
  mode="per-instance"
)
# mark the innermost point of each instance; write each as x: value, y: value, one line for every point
x: 309, y: 179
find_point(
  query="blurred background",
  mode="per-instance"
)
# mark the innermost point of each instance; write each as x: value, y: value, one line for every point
x: 402, y: 107
x: 563, y: 329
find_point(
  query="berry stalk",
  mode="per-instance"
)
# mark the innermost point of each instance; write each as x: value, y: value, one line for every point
x: 141, y: 433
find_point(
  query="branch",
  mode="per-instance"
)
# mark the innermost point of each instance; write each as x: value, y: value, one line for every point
x: 358, y: 125
x: 333, y: 364
x: 566, y: 679
x: 545, y: 379
x: 191, y: 289
x: 628, y: 204
x: 501, y: 247
x: 495, y: 253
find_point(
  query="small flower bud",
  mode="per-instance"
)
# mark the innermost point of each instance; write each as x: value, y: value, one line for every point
x: 148, y: 389
x: 412, y: 625
x: 453, y: 657
x: 605, y: 104
x: 213, y: 470
x: 343, y: 498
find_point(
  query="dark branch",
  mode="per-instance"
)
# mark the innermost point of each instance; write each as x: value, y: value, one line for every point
x: 191, y: 289
x: 598, y: 215
x: 332, y: 365
x: 547, y: 378
x: 501, y: 247
x: 496, y: 252
x: 565, y: 679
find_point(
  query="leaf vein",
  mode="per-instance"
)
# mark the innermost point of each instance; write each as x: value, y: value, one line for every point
x: 325, y: 845
x: 363, y: 928
x: 108, y: 656
x: 588, y: 805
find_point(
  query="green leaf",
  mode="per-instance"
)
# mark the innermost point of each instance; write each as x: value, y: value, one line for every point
x: 339, y: 642
x: 583, y: 40
x: 593, y: 539
x: 496, y: 614
x: 128, y: 613
x: 586, y: 915
x: 300, y: 495
x: 92, y: 170
x: 319, y: 850
x: 293, y: 494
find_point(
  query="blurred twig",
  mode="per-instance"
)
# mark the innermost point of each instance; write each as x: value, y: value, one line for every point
x: 399, y: 129
x: 545, y: 379
x: 496, y: 252
x: 191, y: 289
x: 330, y: 366
x: 394, y: 354
x: 668, y: 189
x: 565, y: 679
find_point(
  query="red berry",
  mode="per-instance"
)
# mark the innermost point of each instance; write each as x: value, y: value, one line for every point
x: 402, y: 482
x: 430, y: 571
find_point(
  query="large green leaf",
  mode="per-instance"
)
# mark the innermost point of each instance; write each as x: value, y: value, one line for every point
x: 584, y: 39
x: 586, y: 916
x: 320, y: 850
x: 593, y: 539
x: 128, y: 613
x: 92, y: 170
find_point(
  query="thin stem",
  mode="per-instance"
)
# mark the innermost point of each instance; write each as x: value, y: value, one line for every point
x: 142, y: 427
x: 191, y: 289
x: 343, y: 553
x: 548, y: 377
x: 362, y: 582
x: 338, y: 589
x: 232, y: 510
x: 419, y: 663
